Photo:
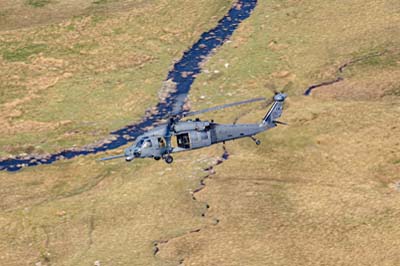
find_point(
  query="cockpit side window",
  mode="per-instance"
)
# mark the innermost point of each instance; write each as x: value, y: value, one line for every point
x: 147, y: 144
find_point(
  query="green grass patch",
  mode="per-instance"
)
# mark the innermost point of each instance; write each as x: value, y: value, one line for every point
x: 37, y: 3
x: 22, y: 54
x: 70, y: 28
x: 393, y: 92
x: 100, y: 2
x: 9, y: 92
x: 384, y: 60
x: 98, y: 19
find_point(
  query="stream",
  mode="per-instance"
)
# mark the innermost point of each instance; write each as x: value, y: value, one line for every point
x: 182, y: 74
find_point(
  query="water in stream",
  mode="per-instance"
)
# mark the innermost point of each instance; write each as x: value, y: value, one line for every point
x: 183, y: 74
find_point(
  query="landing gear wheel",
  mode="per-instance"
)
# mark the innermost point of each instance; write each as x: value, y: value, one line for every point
x: 157, y: 158
x: 256, y: 141
x: 168, y: 159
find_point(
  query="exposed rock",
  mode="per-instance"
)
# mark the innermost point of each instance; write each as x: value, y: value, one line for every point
x: 167, y: 88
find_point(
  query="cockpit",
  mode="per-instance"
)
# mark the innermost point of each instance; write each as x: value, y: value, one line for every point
x: 144, y: 144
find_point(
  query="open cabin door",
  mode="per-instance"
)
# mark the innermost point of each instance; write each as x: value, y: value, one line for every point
x: 183, y: 140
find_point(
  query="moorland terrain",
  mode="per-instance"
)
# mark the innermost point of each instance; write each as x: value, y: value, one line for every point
x: 322, y: 191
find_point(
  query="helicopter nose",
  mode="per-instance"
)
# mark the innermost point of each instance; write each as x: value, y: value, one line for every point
x: 128, y: 152
x: 129, y: 155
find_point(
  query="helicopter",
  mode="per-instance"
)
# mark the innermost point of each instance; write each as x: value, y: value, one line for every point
x: 195, y: 134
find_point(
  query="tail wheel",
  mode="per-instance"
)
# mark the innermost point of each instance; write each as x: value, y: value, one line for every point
x: 168, y: 159
x: 256, y: 141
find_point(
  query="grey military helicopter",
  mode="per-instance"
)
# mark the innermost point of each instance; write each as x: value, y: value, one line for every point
x: 196, y: 134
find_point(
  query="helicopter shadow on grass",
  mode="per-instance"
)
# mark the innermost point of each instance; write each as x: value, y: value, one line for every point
x: 183, y: 74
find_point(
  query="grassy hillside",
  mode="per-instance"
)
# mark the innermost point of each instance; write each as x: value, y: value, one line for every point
x: 71, y: 83
x: 74, y: 81
x: 322, y: 191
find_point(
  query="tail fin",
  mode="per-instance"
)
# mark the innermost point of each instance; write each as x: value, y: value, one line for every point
x: 275, y: 111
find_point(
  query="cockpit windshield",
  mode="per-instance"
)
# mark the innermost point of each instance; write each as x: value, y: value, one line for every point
x: 139, y: 143
x: 144, y: 143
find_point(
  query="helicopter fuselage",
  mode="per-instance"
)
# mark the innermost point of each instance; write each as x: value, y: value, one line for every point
x: 189, y: 135
x: 177, y: 136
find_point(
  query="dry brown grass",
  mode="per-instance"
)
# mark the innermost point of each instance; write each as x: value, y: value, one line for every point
x: 103, y: 65
x: 98, y: 71
x: 323, y: 191
x: 315, y: 195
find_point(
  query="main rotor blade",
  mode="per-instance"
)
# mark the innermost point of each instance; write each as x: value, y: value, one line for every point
x: 222, y: 107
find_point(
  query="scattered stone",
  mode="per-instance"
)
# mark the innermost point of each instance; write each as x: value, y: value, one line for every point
x: 167, y: 88
x: 272, y: 44
x: 127, y: 137
x: 61, y: 213
x: 97, y: 263
x: 396, y: 186
x: 185, y: 74
x: 67, y: 75
x: 186, y: 106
